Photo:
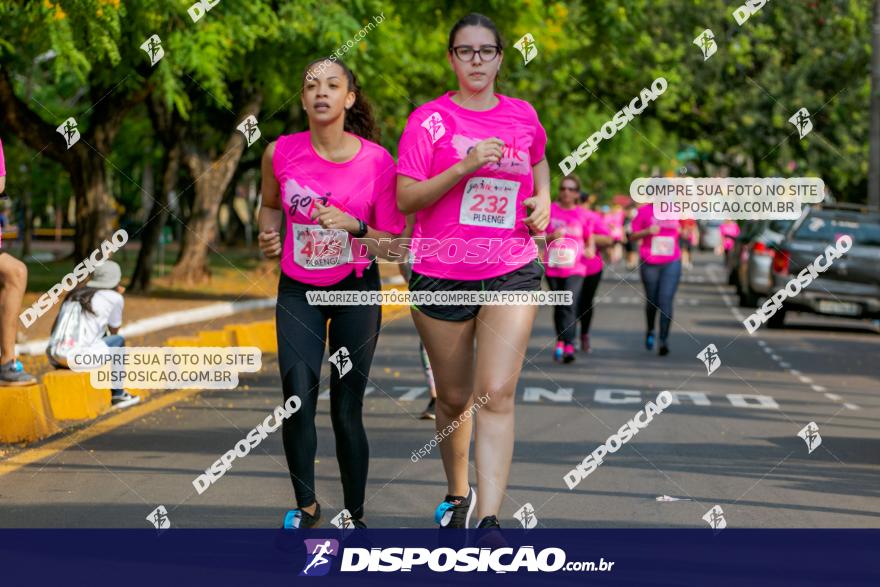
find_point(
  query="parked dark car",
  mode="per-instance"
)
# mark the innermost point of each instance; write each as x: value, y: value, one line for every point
x: 851, y: 284
x: 750, y: 260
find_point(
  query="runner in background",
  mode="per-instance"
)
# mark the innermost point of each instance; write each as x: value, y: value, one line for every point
x: 688, y: 238
x: 660, y: 270
x: 614, y: 220
x: 429, y: 412
x: 629, y: 245
x: 569, y: 244
x: 729, y: 230
x: 471, y: 167
x: 13, y: 283
x: 322, y: 189
x: 592, y: 275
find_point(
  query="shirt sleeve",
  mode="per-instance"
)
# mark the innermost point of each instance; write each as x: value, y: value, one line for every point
x: 539, y: 140
x: 639, y: 222
x: 384, y: 214
x: 599, y: 226
x: 2, y: 161
x: 415, y: 153
x: 115, y: 318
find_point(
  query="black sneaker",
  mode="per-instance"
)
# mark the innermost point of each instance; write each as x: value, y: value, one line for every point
x: 664, y: 349
x: 455, y: 511
x: 489, y: 522
x: 124, y: 400
x: 358, y: 524
x: 430, y: 412
x: 296, y: 519
x: 13, y: 375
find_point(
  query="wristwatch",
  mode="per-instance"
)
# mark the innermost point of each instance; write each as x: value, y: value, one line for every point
x: 362, y: 229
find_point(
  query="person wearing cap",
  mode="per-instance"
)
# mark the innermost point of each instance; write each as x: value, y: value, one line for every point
x: 13, y: 282
x: 87, y: 315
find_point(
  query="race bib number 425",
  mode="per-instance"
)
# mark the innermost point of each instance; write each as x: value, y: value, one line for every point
x: 318, y: 248
x: 489, y: 202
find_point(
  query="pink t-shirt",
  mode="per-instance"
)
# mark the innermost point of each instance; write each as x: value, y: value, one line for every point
x: 729, y: 230
x: 565, y: 256
x: 2, y: 161
x: 663, y: 246
x: 614, y: 221
x: 363, y: 187
x: 598, y: 226
x: 486, y: 205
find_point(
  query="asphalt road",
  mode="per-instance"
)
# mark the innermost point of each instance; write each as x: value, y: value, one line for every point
x: 729, y: 440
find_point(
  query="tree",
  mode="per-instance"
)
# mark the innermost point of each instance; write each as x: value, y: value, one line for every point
x: 874, y: 164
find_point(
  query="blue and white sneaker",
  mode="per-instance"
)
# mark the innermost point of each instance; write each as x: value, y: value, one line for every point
x: 455, y: 511
x: 649, y: 341
x: 296, y: 519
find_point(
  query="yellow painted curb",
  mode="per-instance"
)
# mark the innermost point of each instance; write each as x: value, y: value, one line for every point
x: 183, y: 341
x: 23, y: 414
x: 214, y: 338
x: 72, y: 397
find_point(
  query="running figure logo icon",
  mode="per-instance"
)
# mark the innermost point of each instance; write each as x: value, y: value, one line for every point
x: 710, y: 358
x: 715, y: 518
x: 526, y: 46
x: 801, y: 121
x: 69, y: 131
x: 706, y: 43
x: 810, y: 434
x: 249, y: 129
x: 319, y: 556
x: 434, y: 125
x: 153, y: 48
x: 159, y: 518
x: 343, y: 520
x: 526, y: 516
x: 342, y: 360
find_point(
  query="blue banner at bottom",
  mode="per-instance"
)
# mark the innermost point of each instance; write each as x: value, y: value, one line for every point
x: 433, y: 557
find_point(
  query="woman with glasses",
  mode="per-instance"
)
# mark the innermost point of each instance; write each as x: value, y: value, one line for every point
x: 472, y: 169
x: 569, y: 245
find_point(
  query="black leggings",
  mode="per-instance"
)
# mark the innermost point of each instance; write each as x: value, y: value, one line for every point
x: 302, y: 329
x: 565, y: 317
x: 585, y: 306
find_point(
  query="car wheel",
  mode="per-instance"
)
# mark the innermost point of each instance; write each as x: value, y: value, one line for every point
x: 777, y: 320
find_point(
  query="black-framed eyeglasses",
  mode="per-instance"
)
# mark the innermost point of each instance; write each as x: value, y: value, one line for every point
x: 466, y: 53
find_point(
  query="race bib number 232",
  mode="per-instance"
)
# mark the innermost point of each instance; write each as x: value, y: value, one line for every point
x: 490, y: 202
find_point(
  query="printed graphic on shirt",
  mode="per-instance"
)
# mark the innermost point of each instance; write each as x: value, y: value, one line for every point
x: 301, y: 199
x: 488, y: 201
x: 513, y: 159
x: 434, y: 125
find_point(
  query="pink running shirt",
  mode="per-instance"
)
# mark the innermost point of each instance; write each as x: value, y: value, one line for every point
x: 663, y: 246
x: 488, y: 204
x: 2, y: 161
x: 729, y: 231
x: 363, y: 187
x: 594, y: 265
x: 565, y: 256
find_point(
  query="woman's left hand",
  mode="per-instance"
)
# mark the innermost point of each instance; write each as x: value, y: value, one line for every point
x: 333, y: 217
x: 540, y: 216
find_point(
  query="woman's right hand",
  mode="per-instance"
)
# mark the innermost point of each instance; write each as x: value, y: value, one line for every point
x: 483, y: 153
x: 270, y: 243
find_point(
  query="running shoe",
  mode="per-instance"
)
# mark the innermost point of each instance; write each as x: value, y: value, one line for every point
x: 455, y: 511
x: 430, y: 412
x: 358, y: 524
x: 489, y: 522
x: 649, y: 341
x: 664, y: 350
x: 568, y: 357
x: 124, y: 400
x: 559, y: 351
x: 585, y: 343
x: 12, y: 374
x: 296, y: 519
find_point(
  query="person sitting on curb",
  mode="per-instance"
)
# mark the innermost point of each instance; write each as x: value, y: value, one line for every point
x: 85, y: 315
x: 13, y: 282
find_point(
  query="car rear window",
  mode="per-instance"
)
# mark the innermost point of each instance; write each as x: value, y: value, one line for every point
x: 864, y: 231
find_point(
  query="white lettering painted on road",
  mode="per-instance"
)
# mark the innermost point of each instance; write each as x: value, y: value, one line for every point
x: 698, y: 398
x: 607, y: 396
x: 750, y: 400
x: 534, y: 394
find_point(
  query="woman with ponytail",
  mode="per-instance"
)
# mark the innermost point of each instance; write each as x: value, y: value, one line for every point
x: 328, y: 199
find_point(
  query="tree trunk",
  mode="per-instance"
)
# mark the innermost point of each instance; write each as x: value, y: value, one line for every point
x: 158, y: 216
x: 94, y: 204
x: 874, y: 153
x: 212, y: 180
